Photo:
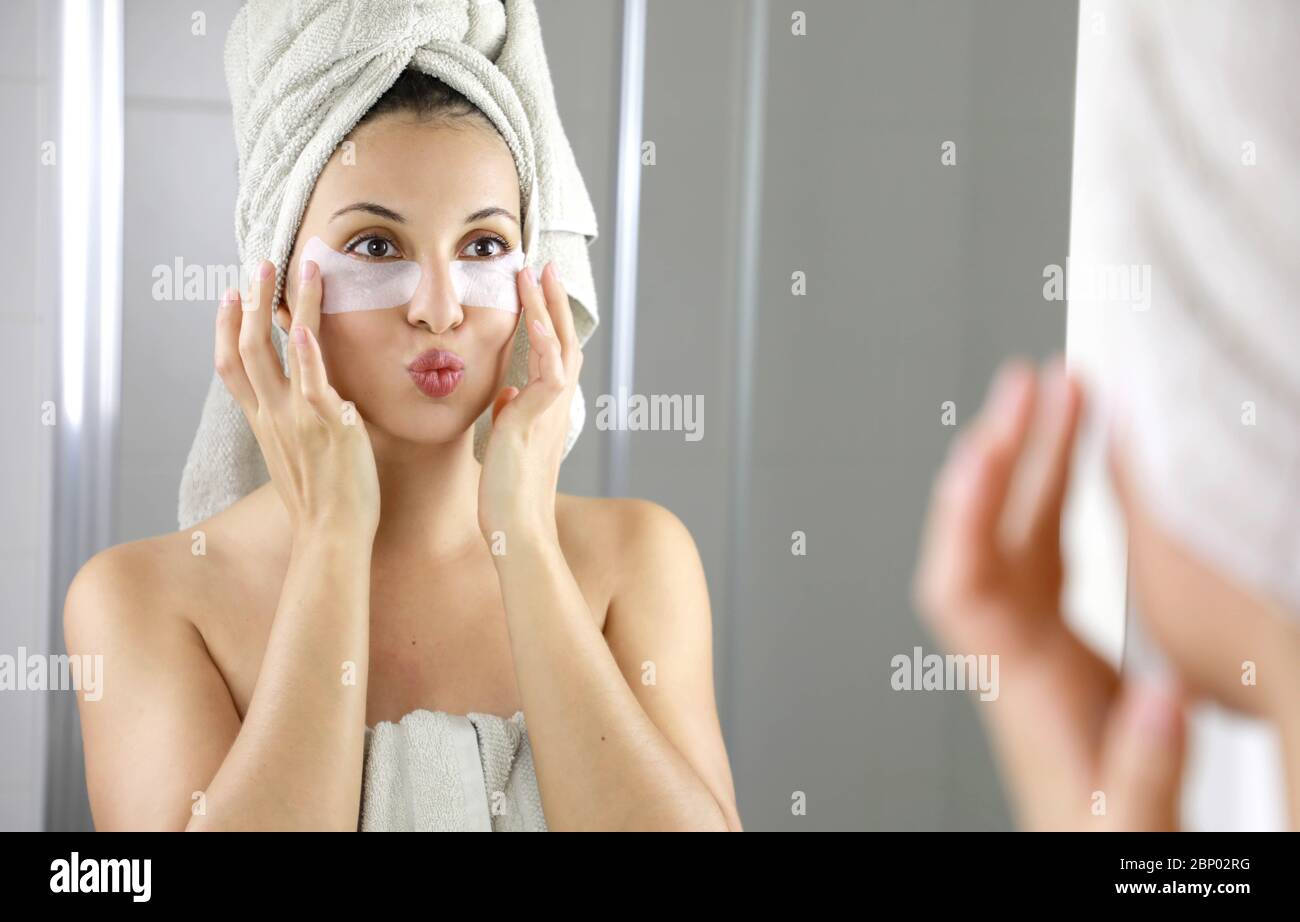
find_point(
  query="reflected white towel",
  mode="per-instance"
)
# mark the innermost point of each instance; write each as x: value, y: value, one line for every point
x: 438, y: 772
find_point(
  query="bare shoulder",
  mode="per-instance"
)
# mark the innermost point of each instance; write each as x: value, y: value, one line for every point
x: 126, y: 581
x: 157, y: 725
x: 598, y: 524
x: 626, y: 540
x: 187, y: 579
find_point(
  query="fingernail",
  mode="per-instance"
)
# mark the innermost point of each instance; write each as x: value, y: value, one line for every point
x: 300, y: 335
x: 307, y: 271
x: 231, y: 295
x: 541, y: 330
x: 265, y: 271
x: 528, y: 271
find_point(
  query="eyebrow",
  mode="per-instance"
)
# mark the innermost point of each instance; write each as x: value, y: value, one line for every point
x: 371, y: 208
x: 388, y: 214
x: 489, y: 212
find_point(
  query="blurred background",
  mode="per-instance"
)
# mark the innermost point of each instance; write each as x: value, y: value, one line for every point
x: 911, y: 158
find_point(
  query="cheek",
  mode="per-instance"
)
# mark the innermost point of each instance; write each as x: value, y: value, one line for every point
x: 493, y: 328
x: 354, y: 346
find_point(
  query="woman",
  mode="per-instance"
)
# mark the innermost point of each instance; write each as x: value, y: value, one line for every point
x: 384, y: 580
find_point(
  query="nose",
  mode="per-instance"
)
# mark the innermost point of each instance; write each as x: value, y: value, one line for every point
x: 434, y: 304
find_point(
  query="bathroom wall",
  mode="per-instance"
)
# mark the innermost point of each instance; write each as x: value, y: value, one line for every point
x: 919, y: 277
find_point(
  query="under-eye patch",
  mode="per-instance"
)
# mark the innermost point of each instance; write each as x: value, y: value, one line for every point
x: 488, y: 282
x: 360, y: 285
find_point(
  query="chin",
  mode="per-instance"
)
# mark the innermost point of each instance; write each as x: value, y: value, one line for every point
x: 420, y: 420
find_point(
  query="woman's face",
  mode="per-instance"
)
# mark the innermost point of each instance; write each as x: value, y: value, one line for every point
x: 429, y: 193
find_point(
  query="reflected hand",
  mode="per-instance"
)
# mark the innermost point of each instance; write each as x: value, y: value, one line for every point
x: 521, y: 464
x: 316, y: 447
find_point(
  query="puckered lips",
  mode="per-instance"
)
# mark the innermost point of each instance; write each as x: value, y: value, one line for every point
x: 436, y: 372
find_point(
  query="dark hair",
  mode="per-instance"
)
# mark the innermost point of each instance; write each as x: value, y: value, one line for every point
x: 426, y: 97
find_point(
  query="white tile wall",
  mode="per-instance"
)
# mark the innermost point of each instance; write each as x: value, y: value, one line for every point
x: 165, y: 59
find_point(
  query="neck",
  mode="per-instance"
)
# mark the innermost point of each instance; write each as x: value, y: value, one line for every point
x: 428, y: 496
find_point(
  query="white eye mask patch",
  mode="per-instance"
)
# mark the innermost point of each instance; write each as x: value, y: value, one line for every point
x: 358, y: 285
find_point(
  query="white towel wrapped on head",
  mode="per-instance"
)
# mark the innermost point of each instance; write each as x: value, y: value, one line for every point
x: 301, y: 76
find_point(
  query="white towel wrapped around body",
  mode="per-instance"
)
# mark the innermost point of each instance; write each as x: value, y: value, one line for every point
x: 301, y: 76
x: 1185, y: 169
x: 437, y: 772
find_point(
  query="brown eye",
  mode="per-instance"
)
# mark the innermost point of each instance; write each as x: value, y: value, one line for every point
x: 489, y: 247
x: 372, y: 247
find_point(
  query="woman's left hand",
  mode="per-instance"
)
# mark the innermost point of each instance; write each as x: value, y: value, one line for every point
x: 521, y: 465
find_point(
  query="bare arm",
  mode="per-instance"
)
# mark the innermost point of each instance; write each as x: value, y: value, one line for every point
x: 612, y: 751
x: 163, y: 719
x: 168, y: 730
x: 164, y: 746
x: 624, y: 726
x: 296, y: 763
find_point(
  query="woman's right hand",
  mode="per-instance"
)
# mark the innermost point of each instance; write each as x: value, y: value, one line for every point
x: 1081, y: 746
x: 316, y: 446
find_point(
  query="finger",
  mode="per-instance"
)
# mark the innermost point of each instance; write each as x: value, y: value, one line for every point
x: 960, y: 553
x: 533, y: 305
x: 541, y: 392
x: 550, y: 358
x: 990, y: 458
x: 229, y: 364
x: 260, y: 360
x: 307, y: 298
x: 952, y: 563
x: 1142, y: 760
x: 507, y: 394
x: 561, y: 313
x: 312, y: 383
x: 1042, y: 480
x: 1069, y: 400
